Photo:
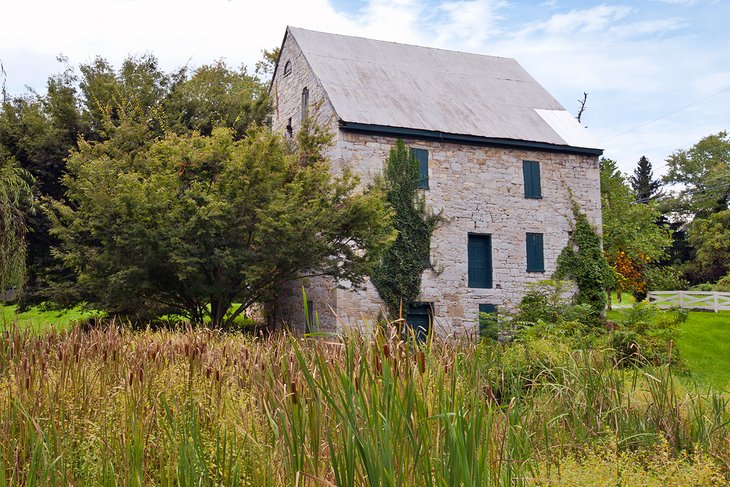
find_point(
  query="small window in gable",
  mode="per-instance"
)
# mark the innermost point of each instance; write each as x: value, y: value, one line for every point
x: 422, y: 156
x: 287, y: 69
x: 531, y: 173
x: 305, y: 103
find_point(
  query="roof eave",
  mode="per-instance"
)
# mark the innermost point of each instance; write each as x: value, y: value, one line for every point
x: 466, y: 139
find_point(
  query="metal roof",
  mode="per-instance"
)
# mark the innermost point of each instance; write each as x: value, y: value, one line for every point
x: 397, y: 85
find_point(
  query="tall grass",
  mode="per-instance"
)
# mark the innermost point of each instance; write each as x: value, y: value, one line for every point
x: 114, y: 407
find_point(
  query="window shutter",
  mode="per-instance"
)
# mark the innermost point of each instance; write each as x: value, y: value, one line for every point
x: 535, y: 253
x: 531, y: 176
x: 527, y: 175
x: 479, y: 256
x: 536, y: 187
x: 421, y: 156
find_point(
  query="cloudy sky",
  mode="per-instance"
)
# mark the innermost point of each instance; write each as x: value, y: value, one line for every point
x: 657, y: 72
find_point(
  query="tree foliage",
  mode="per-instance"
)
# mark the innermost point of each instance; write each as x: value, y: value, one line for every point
x: 701, y: 206
x: 704, y: 170
x: 398, y: 276
x: 645, y: 187
x: 710, y: 238
x: 633, y: 234
x: 132, y: 107
x: 14, y: 193
x: 193, y: 223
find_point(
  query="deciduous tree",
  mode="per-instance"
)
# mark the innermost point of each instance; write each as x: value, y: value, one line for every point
x: 195, y: 223
x: 632, y: 239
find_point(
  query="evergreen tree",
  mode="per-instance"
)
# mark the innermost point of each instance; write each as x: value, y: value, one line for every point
x: 645, y: 187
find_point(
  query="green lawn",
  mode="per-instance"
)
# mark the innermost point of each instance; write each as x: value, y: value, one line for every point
x: 627, y: 299
x: 38, y: 319
x: 704, y: 345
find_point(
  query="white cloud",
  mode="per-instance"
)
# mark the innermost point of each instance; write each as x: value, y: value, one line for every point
x: 469, y: 23
x: 579, y: 21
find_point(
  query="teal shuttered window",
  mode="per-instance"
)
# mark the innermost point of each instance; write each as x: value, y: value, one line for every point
x: 422, y: 156
x: 479, y: 257
x: 531, y: 173
x: 535, y: 254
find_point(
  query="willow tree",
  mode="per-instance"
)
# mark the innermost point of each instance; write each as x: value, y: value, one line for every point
x: 15, y: 194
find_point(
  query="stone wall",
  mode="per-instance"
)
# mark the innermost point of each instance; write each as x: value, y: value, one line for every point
x: 286, y: 92
x: 477, y: 190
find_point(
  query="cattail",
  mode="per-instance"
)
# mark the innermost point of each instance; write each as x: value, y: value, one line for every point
x: 421, y: 361
x: 293, y: 390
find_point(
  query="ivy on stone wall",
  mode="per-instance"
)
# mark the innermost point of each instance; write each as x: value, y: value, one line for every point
x: 583, y: 260
x: 398, y: 276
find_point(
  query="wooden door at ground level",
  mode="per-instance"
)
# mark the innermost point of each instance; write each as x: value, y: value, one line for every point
x: 419, y: 319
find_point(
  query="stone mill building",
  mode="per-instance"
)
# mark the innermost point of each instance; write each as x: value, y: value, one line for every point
x: 499, y: 157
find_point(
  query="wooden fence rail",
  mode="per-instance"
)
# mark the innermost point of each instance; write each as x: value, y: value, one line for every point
x: 715, y: 301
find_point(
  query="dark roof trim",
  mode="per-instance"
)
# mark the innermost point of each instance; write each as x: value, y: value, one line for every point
x: 465, y: 139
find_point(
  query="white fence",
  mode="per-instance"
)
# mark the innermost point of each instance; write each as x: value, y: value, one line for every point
x: 715, y: 301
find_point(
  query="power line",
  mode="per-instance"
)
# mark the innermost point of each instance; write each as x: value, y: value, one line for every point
x: 685, y: 192
x: 668, y: 114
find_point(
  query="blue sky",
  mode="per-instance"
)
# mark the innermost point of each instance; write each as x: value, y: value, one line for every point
x: 657, y: 72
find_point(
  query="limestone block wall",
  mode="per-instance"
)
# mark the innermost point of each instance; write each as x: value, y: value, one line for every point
x: 286, y: 92
x: 479, y: 190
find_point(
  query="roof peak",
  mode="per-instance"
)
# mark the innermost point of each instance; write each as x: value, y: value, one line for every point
x: 290, y: 28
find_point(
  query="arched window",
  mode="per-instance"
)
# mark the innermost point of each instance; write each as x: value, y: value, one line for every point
x: 287, y: 68
x: 305, y: 103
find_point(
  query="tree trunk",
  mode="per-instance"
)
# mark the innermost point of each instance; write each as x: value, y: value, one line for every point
x: 218, y: 309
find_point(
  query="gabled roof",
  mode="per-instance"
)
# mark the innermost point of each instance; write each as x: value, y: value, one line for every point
x: 375, y: 84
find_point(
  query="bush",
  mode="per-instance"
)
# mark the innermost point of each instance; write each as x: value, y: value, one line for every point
x: 647, y: 335
x: 551, y: 301
x: 723, y: 285
x: 665, y: 279
x: 704, y: 287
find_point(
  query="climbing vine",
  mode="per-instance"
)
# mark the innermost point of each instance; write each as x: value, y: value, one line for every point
x: 398, y: 276
x: 583, y: 260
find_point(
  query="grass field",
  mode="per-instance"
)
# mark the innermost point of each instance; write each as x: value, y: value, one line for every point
x: 38, y: 319
x: 627, y: 299
x: 704, y: 344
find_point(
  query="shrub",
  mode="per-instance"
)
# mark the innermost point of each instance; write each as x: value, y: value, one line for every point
x: 664, y: 279
x: 723, y: 285
x: 552, y: 301
x: 704, y: 287
x: 647, y: 334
